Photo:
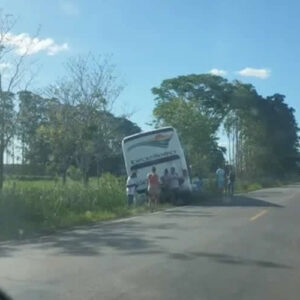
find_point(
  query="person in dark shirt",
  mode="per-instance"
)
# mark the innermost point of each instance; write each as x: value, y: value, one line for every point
x: 165, y: 185
x: 231, y: 181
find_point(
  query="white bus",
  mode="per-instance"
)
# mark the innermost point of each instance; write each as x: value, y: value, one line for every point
x: 160, y: 148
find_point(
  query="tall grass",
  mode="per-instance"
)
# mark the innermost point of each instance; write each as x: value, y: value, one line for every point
x: 33, y: 206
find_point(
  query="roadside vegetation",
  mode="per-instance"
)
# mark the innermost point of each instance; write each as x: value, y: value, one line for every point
x: 29, y: 207
x: 33, y: 206
x: 55, y: 140
x: 244, y: 185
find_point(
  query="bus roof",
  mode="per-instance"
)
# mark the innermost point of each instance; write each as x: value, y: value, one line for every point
x: 138, y: 135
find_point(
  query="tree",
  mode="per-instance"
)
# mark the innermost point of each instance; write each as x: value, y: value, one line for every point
x: 209, y: 94
x: 108, y: 155
x: 262, y: 132
x: 32, y: 114
x: 195, y: 105
x: 7, y: 126
x: 13, y: 71
x: 59, y: 134
x: 282, y: 134
x: 243, y: 126
x: 103, y: 142
x: 89, y: 87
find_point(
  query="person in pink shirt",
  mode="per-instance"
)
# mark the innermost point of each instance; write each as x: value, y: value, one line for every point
x: 153, y: 188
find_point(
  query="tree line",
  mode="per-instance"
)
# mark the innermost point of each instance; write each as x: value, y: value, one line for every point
x: 74, y: 125
x: 70, y: 125
x: 262, y: 132
x: 67, y: 124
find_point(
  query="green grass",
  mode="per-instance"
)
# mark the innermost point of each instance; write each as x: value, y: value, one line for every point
x: 247, y: 185
x: 28, y: 207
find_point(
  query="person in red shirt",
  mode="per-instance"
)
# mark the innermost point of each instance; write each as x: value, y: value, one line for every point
x: 153, y: 188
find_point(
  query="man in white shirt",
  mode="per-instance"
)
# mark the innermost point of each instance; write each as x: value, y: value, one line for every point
x: 131, y: 186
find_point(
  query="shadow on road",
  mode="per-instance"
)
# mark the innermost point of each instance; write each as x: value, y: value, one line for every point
x: 132, y: 237
x: 187, y: 214
x: 239, y: 201
x: 235, y: 260
x: 128, y: 237
x: 5, y: 251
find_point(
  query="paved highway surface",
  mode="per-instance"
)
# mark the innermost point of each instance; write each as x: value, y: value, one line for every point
x: 246, y: 249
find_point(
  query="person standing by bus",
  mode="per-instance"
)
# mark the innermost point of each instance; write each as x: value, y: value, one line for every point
x: 220, y: 173
x: 153, y: 188
x: 226, y: 182
x: 131, y: 186
x: 174, y: 185
x: 197, y: 183
x: 231, y: 181
x: 165, y: 185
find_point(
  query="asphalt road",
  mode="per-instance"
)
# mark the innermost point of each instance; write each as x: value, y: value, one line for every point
x: 246, y: 249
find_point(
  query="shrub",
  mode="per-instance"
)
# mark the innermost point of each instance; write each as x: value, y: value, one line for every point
x: 210, y: 186
x: 74, y: 173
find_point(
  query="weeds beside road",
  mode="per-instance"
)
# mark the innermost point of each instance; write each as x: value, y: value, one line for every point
x: 28, y: 207
x: 31, y: 206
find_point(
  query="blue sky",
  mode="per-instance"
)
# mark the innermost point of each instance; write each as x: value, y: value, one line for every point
x: 158, y: 39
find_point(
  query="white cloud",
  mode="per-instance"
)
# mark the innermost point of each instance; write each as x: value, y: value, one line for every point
x: 5, y: 66
x: 69, y: 8
x: 218, y: 72
x: 57, y: 48
x: 24, y: 44
x: 252, y: 72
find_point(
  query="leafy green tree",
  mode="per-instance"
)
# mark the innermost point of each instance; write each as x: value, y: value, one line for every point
x: 110, y: 132
x: 59, y: 134
x: 87, y: 94
x: 282, y: 135
x: 195, y: 105
x: 209, y: 94
x: 243, y: 126
x: 262, y: 132
x: 195, y: 129
x: 33, y: 113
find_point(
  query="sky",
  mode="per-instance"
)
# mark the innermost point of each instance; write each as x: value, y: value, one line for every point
x: 255, y: 41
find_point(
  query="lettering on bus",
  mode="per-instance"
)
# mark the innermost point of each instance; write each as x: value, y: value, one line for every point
x: 153, y: 157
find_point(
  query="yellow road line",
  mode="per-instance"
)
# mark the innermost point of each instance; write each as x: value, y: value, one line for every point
x: 260, y: 214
